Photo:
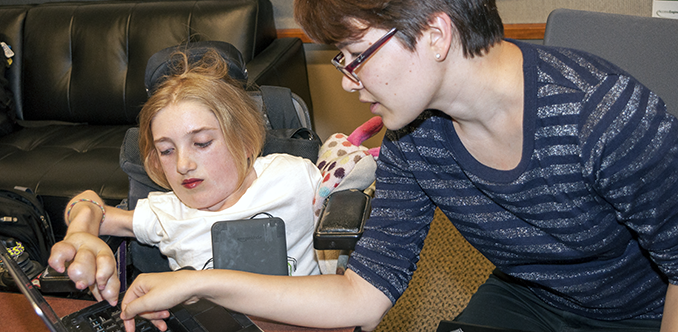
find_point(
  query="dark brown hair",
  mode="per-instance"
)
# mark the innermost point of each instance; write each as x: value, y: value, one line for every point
x: 476, y: 22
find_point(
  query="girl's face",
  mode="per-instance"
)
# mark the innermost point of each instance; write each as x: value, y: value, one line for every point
x: 192, y: 152
x: 398, y: 83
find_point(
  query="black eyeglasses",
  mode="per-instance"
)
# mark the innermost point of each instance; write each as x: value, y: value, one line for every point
x: 349, y: 69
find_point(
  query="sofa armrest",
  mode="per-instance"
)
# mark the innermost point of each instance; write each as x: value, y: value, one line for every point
x: 282, y: 63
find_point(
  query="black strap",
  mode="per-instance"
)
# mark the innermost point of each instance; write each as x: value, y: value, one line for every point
x: 279, y: 107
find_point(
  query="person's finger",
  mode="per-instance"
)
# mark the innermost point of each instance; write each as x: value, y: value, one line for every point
x: 130, y: 296
x: 107, y: 281
x: 131, y: 309
x: 61, y: 253
x: 83, y: 269
x: 192, y: 300
x: 129, y: 325
x: 147, y: 296
x: 156, y: 315
x: 106, y: 267
x: 160, y: 324
x: 96, y: 293
x: 134, y: 302
x: 111, y: 292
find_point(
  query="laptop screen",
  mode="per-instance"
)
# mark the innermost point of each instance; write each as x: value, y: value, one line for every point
x: 34, y: 296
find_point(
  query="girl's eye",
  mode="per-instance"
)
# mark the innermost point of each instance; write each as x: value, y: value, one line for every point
x: 165, y: 152
x: 205, y: 144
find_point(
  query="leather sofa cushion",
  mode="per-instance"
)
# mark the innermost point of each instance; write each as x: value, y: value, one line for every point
x: 59, y: 161
x: 85, y: 62
x: 54, y: 158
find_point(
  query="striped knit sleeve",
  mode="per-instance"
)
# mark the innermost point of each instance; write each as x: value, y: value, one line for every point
x: 630, y: 153
x: 387, y: 253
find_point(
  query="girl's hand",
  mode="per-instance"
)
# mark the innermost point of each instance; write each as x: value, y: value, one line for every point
x: 92, y: 264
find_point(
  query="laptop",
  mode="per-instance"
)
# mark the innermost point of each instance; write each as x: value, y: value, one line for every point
x: 256, y: 245
x: 452, y: 326
x: 203, y: 316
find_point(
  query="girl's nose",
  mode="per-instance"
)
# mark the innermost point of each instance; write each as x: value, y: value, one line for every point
x: 185, y: 163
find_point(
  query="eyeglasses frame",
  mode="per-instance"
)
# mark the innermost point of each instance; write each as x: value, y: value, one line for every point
x: 349, y: 69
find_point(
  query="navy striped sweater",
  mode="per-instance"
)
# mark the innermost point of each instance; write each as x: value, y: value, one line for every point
x: 588, y: 219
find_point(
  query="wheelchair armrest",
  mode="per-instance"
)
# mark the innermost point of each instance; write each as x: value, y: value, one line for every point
x: 342, y: 220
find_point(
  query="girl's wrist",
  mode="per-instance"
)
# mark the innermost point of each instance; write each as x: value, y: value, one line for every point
x: 83, y: 201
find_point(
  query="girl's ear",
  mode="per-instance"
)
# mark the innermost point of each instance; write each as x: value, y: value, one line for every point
x: 439, y: 35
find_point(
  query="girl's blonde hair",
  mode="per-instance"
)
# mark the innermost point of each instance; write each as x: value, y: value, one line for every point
x: 205, y: 81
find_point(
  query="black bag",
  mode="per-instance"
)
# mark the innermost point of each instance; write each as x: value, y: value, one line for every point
x: 23, y: 218
x: 7, y: 112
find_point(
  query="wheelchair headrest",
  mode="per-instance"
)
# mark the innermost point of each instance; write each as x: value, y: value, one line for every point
x: 160, y: 65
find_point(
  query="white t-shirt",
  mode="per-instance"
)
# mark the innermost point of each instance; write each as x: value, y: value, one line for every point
x: 284, y: 188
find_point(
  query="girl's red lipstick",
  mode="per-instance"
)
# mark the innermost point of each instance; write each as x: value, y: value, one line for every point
x: 191, y: 183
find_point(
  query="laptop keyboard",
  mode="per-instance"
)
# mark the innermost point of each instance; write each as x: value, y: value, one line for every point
x: 105, y: 319
x: 110, y: 321
x: 200, y: 316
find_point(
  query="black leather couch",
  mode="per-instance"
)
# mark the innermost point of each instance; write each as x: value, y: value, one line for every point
x: 77, y: 79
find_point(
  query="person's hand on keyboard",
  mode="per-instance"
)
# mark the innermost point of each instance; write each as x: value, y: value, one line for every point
x: 166, y: 290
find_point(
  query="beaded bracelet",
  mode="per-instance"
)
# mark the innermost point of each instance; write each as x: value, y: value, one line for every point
x: 70, y: 207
